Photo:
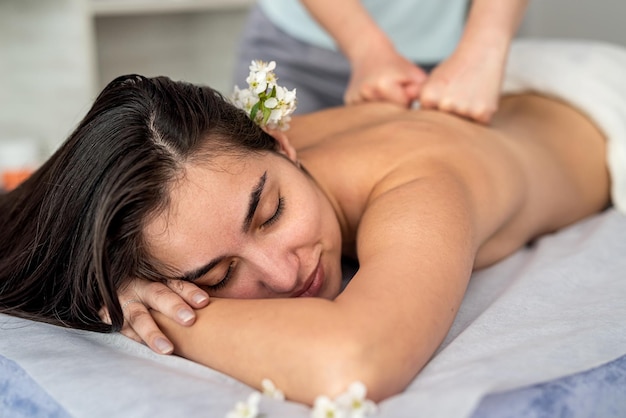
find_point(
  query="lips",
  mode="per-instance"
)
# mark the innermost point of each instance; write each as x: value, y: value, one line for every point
x: 313, y: 284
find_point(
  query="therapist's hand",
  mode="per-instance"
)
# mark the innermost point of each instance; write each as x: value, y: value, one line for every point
x: 175, y: 299
x: 467, y: 83
x: 384, y: 76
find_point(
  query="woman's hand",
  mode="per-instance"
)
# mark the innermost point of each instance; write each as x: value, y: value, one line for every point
x: 467, y: 83
x: 175, y: 299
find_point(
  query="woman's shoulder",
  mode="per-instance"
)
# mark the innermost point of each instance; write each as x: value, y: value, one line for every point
x: 358, y: 164
x: 390, y: 138
x: 385, y: 141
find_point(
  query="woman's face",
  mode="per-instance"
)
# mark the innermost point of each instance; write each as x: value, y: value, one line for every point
x: 250, y: 227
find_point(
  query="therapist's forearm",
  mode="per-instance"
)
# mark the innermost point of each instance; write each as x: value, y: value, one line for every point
x: 350, y: 25
x: 494, y: 21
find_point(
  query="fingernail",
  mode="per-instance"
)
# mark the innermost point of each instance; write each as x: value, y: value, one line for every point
x: 199, y: 298
x: 164, y: 346
x: 185, y: 315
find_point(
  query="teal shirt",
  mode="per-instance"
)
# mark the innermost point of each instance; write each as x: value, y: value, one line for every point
x: 424, y: 31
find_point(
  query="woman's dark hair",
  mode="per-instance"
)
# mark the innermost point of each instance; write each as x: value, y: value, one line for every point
x: 71, y: 235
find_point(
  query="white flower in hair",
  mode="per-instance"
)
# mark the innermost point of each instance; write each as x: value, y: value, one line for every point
x: 267, y: 103
x: 244, y: 99
x: 257, y: 82
x: 258, y: 66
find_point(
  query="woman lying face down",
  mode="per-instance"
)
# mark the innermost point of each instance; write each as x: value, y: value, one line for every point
x: 166, y: 191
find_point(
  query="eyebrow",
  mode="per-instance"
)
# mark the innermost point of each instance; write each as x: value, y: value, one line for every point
x: 199, y: 272
x: 255, y: 198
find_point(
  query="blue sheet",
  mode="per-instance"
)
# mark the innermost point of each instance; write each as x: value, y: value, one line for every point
x: 22, y: 397
x: 599, y: 392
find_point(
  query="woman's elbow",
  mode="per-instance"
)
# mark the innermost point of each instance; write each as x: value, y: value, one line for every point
x: 347, y: 359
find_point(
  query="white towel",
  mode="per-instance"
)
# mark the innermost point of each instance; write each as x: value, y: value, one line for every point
x: 590, y: 76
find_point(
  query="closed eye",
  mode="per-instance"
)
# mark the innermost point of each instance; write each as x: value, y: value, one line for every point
x: 280, y: 207
x: 227, y: 276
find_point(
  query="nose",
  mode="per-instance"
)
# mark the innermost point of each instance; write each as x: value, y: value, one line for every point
x: 279, y: 269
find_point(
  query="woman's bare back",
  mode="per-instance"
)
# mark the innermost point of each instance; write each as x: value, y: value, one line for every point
x: 546, y: 160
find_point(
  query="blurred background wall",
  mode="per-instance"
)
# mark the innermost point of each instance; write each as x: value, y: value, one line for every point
x: 55, y: 55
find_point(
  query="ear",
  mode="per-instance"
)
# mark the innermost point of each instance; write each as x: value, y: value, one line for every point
x: 284, y: 145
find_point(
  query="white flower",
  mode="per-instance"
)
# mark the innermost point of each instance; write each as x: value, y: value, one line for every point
x: 354, y: 401
x: 262, y: 66
x: 270, y: 79
x: 248, y: 409
x: 269, y: 389
x: 281, y: 109
x: 244, y: 99
x: 351, y: 404
x: 267, y: 103
x: 275, y: 117
x: 271, y: 103
x: 286, y: 97
x: 324, y: 407
x: 261, y: 77
x: 257, y: 82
